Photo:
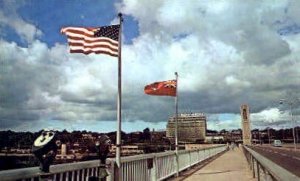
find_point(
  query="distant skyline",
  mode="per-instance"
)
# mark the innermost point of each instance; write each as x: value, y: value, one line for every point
x: 226, y: 53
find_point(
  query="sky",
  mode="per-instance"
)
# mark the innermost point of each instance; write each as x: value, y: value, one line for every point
x: 227, y: 53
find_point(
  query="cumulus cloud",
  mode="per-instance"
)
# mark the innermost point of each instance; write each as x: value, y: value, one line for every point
x: 226, y: 54
x: 9, y: 17
x: 28, y: 85
x: 232, y: 22
x: 41, y: 83
x: 273, y: 117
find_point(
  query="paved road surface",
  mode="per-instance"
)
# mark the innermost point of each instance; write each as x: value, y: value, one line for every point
x: 230, y: 166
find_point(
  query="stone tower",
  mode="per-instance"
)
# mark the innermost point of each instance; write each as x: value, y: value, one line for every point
x: 246, y: 124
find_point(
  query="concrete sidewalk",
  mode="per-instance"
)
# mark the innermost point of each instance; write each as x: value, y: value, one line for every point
x: 231, y: 166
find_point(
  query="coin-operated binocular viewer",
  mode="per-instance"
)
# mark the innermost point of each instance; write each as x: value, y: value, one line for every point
x: 45, y: 149
x: 102, y: 145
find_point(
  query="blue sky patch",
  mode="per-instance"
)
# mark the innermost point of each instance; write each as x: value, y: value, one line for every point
x: 51, y: 16
x: 10, y: 35
x: 288, y: 30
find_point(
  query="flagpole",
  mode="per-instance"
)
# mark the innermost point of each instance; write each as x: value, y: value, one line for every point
x: 119, y: 114
x: 176, y: 125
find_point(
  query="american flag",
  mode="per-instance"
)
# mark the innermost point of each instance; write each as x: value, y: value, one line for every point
x: 101, y: 40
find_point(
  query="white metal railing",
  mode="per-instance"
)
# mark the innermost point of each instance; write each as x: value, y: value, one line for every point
x: 146, y: 167
x: 264, y: 169
x: 160, y: 166
x: 69, y: 171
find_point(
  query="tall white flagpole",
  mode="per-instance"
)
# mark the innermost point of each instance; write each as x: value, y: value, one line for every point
x: 176, y: 125
x: 119, y: 114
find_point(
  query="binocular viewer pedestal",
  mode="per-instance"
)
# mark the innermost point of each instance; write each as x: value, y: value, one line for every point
x: 45, y: 149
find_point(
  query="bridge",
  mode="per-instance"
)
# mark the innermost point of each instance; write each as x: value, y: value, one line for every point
x: 214, y: 163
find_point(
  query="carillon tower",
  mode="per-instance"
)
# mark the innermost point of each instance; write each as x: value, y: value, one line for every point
x: 246, y: 124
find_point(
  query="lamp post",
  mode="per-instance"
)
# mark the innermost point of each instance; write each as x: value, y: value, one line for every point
x: 291, y: 103
x: 283, y: 132
x: 259, y: 137
x: 269, y: 135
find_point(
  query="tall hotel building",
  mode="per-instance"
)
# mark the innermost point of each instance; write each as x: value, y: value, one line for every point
x: 191, y: 127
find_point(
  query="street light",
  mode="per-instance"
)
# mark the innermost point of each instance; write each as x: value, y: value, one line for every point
x: 269, y: 135
x: 291, y: 103
x: 283, y: 132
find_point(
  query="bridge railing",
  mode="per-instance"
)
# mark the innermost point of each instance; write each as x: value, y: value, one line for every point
x: 68, y: 171
x: 148, y: 167
x: 160, y: 166
x: 264, y: 169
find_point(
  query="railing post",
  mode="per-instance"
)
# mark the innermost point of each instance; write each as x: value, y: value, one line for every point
x: 253, y: 169
x: 208, y: 153
x: 190, y: 159
x: 248, y: 156
x: 258, y: 172
x: 250, y: 160
x: 198, y: 156
x: 117, y: 172
x: 154, y: 169
x: 268, y: 176
x: 111, y: 170
x: 177, y: 163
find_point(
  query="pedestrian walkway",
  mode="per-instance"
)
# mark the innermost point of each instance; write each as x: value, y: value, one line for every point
x: 231, y: 166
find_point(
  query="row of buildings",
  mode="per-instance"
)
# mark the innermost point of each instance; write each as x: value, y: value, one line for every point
x: 192, y: 128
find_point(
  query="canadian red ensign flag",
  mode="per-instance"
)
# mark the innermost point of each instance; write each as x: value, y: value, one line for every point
x: 164, y: 88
